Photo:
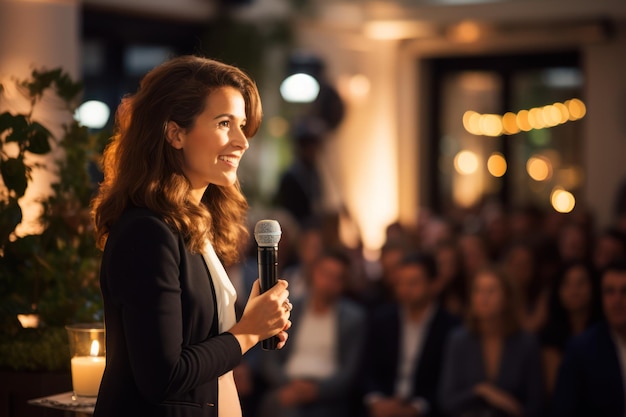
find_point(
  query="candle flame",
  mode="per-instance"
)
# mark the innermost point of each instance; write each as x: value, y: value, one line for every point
x: 95, y: 348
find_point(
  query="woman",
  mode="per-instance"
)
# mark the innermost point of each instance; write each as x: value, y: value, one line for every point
x: 520, y: 264
x: 491, y: 368
x: 574, y: 306
x: 169, y: 211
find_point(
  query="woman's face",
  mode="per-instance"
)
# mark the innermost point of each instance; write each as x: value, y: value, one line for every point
x: 214, y: 145
x: 328, y: 278
x: 473, y: 252
x: 447, y: 266
x: 487, y: 297
x: 575, y: 291
x: 519, y: 266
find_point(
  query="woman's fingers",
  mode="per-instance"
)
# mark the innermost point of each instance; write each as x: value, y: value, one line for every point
x: 282, y: 338
x: 256, y: 289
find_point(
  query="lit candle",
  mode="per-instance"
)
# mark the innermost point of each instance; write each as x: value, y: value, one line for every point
x: 87, y: 372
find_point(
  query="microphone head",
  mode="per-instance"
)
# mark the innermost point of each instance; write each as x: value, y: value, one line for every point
x: 267, y: 233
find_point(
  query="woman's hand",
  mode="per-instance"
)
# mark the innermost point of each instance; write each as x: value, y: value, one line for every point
x: 498, y: 398
x: 265, y: 315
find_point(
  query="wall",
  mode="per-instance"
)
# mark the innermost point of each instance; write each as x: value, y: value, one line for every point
x: 37, y: 34
x: 605, y: 123
x: 360, y: 157
x: 360, y: 161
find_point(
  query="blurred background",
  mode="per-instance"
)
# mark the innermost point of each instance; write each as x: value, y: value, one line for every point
x: 399, y: 80
x: 413, y: 121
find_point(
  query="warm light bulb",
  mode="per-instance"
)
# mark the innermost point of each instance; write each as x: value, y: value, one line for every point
x: 522, y: 121
x: 496, y: 164
x: 471, y: 122
x: 535, y: 118
x: 551, y: 115
x: 563, y: 112
x: 509, y: 123
x: 562, y: 201
x: 539, y: 168
x: 491, y: 125
x: 577, y: 109
x: 466, y: 162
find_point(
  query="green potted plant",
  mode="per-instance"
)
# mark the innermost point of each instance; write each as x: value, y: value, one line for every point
x: 52, y: 275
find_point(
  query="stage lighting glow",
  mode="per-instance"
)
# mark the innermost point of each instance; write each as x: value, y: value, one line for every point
x: 299, y: 88
x: 93, y: 114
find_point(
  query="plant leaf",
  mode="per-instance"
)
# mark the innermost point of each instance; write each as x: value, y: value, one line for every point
x: 6, y: 120
x: 66, y: 88
x: 14, y: 175
x: 10, y: 217
x: 19, y: 126
x: 41, y: 81
x: 39, y: 141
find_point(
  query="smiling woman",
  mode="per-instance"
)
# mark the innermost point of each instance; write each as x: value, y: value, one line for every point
x: 213, y: 146
x: 168, y: 213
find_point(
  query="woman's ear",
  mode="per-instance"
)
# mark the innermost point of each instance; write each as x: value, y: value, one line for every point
x: 174, y: 134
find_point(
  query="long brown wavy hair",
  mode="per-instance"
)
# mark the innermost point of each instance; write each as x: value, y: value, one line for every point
x: 142, y: 169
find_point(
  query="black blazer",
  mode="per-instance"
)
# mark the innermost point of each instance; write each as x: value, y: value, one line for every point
x: 383, y: 351
x: 590, y: 380
x: 164, y: 353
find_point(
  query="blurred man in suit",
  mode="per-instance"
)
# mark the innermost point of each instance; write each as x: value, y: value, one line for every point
x: 406, y: 344
x: 314, y: 376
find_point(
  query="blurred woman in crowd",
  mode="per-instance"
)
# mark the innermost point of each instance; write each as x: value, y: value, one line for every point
x: 491, y: 367
x: 521, y: 266
x: 574, y: 306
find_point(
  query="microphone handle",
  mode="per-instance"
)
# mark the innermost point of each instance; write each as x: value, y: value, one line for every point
x: 268, y: 276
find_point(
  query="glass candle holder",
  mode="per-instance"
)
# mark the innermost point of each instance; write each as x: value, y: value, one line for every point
x: 87, y: 353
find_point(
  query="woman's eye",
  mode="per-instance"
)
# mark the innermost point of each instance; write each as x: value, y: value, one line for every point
x: 224, y: 123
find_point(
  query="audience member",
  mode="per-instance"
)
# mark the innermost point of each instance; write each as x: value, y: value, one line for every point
x: 450, y: 285
x: 315, y: 374
x: 521, y: 267
x: 525, y: 223
x: 573, y: 243
x: 405, y: 345
x: 574, y: 306
x: 592, y: 377
x: 309, y: 246
x: 496, y: 230
x: 610, y: 246
x: 474, y: 254
x: 491, y: 367
x: 300, y: 189
x: 381, y: 289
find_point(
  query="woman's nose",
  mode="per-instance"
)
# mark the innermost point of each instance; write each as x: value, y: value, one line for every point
x: 240, y: 140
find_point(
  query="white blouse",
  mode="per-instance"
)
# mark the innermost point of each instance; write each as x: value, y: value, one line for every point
x: 225, y: 294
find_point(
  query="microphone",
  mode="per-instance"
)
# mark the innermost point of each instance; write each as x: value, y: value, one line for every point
x: 267, y: 235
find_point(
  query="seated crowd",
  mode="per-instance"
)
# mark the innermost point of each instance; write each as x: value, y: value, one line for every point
x: 493, y: 314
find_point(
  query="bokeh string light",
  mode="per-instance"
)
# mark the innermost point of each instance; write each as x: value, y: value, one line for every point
x: 510, y: 123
